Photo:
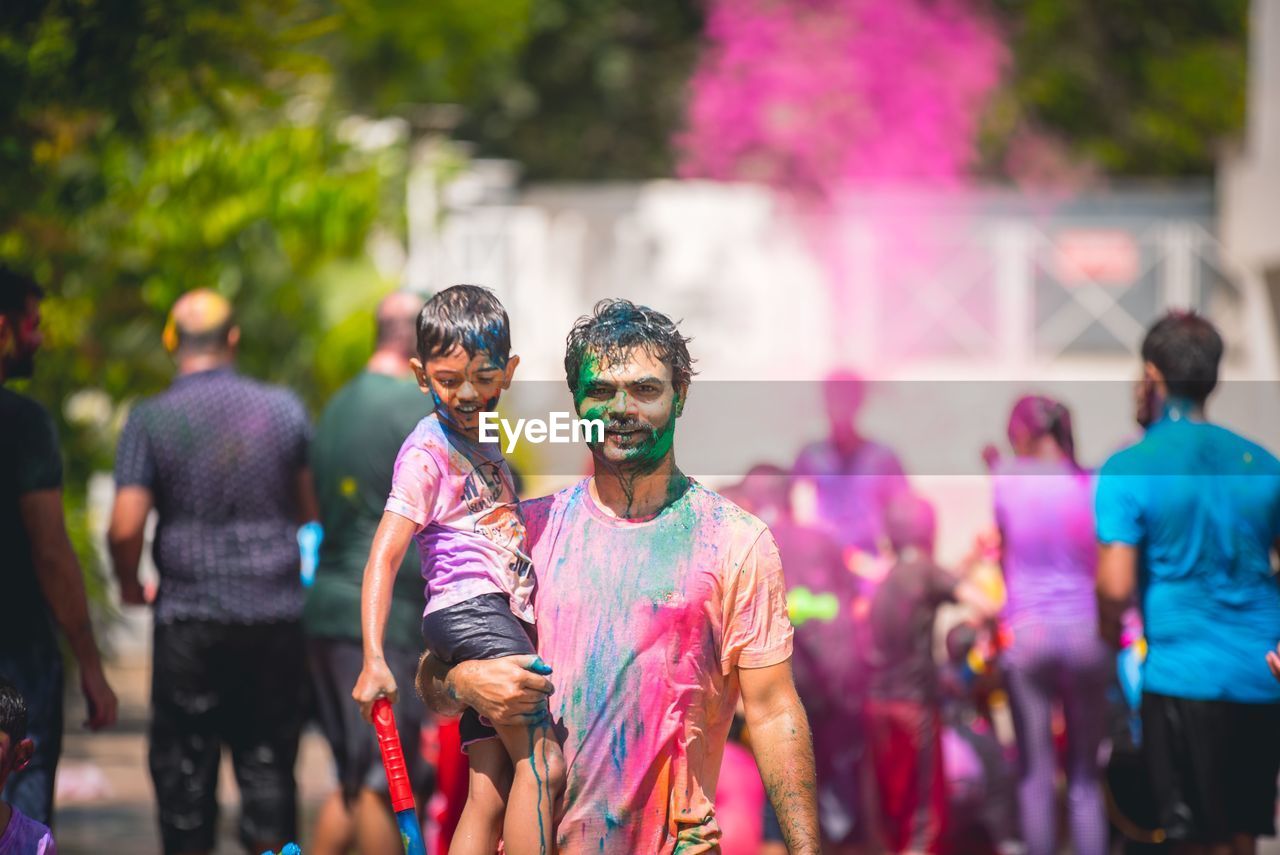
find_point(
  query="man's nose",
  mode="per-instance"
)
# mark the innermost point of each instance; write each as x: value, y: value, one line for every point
x: 623, y: 405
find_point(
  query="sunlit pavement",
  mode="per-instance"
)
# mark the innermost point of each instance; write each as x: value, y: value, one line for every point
x: 106, y: 804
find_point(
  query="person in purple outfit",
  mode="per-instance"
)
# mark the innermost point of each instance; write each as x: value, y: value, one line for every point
x: 848, y: 477
x: 1044, y: 509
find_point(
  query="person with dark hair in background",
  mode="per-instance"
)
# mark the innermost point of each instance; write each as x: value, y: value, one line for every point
x: 823, y: 594
x: 223, y: 460
x: 1044, y: 510
x: 41, y: 576
x: 848, y: 478
x: 903, y: 708
x: 1197, y: 508
x: 19, y: 834
x: 353, y: 454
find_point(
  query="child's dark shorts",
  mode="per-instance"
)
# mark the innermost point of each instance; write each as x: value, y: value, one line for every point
x: 482, y: 627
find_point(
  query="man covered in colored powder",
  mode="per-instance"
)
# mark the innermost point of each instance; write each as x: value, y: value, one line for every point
x: 222, y: 459
x: 659, y: 603
x: 1189, y: 521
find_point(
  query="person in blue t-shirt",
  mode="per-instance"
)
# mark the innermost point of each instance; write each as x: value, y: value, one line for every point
x: 1188, y: 518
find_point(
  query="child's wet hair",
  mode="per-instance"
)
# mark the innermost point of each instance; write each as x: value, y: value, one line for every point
x: 469, y: 316
x: 13, y: 711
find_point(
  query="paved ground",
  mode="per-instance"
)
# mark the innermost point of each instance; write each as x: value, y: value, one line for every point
x: 105, y: 802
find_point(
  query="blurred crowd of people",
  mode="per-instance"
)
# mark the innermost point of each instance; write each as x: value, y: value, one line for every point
x: 912, y: 749
x: 1179, y: 746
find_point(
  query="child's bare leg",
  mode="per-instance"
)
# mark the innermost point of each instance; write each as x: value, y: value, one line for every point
x: 488, y: 783
x: 529, y: 828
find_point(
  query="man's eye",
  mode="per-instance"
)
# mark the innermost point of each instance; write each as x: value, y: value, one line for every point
x: 646, y: 389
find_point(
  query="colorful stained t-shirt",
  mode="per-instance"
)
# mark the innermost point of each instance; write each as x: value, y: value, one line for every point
x: 1045, y: 513
x: 470, y: 535
x: 25, y: 836
x: 645, y: 624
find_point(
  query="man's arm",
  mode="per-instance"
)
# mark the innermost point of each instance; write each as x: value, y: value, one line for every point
x: 58, y: 571
x: 784, y: 752
x: 125, y: 538
x: 1117, y: 580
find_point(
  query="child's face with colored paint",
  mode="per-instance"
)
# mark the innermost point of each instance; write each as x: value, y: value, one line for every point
x: 637, y: 401
x: 463, y: 386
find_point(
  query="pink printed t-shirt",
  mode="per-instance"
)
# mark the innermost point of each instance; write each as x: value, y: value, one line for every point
x: 24, y: 836
x: 645, y: 624
x: 470, y: 535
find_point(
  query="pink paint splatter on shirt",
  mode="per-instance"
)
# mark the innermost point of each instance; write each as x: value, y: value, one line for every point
x: 645, y: 624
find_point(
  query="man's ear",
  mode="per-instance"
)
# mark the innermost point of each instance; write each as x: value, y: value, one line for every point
x: 233, y: 338
x: 1155, y: 377
x: 22, y: 753
x: 6, y: 335
x: 681, y: 395
x: 509, y: 373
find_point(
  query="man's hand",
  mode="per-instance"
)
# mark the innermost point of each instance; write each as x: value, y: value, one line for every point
x: 1273, y: 662
x: 99, y: 698
x: 375, y: 681
x: 511, y: 690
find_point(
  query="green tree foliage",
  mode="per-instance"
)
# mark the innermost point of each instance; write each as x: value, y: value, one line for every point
x: 151, y: 146
x: 1139, y: 89
x: 598, y: 90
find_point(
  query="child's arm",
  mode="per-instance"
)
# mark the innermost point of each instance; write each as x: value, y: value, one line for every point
x: 390, y: 544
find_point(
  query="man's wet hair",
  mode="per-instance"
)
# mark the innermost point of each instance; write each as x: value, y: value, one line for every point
x: 16, y: 289
x: 13, y: 711
x: 616, y: 327
x: 469, y: 316
x: 1187, y: 349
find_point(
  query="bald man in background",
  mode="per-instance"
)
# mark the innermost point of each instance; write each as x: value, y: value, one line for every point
x: 223, y: 461
x: 353, y: 456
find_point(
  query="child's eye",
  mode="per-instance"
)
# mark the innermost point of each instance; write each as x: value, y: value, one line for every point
x: 449, y: 384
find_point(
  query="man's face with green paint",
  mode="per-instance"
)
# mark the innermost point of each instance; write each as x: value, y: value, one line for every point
x: 638, y: 403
